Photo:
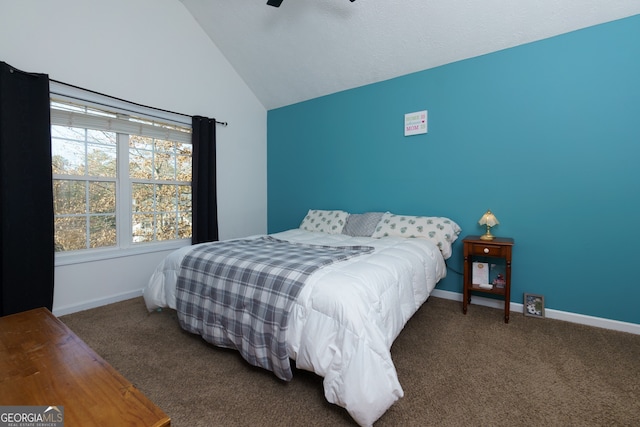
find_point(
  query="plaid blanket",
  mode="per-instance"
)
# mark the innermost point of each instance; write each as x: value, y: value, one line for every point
x: 238, y: 294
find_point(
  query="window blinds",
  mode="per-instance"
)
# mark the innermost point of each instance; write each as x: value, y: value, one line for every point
x: 67, y: 114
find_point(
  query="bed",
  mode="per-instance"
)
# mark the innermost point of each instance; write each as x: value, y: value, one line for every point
x: 343, y: 320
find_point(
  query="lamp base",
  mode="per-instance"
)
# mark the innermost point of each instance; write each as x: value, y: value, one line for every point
x: 487, y: 236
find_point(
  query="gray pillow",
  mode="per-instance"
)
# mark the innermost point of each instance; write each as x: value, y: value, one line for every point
x: 362, y: 225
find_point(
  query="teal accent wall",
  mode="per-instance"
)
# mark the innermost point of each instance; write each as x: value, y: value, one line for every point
x: 546, y: 135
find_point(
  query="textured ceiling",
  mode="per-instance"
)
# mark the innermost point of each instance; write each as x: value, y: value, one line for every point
x: 309, y: 48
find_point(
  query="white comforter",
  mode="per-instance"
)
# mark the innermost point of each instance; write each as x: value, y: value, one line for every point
x: 347, y: 315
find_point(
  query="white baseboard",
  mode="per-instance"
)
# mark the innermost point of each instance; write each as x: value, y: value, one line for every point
x: 61, y: 311
x: 582, y: 319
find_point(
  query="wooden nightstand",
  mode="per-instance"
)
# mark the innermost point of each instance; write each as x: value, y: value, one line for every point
x: 500, y: 247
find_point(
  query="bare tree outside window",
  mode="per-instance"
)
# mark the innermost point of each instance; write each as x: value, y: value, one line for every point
x: 161, y: 190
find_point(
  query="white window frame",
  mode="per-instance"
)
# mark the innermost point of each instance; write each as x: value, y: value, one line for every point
x: 124, y: 246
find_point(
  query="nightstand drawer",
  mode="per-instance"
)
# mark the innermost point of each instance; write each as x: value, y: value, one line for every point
x: 488, y: 249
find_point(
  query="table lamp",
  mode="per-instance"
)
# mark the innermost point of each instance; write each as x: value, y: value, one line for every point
x: 490, y: 220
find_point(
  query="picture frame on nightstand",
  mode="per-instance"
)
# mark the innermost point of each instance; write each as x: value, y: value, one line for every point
x: 534, y: 305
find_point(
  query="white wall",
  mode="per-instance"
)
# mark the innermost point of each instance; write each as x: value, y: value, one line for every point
x: 151, y: 52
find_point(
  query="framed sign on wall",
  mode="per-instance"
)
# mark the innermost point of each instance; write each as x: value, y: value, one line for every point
x: 415, y: 123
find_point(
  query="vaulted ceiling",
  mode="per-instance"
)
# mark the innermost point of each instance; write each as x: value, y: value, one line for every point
x: 309, y: 48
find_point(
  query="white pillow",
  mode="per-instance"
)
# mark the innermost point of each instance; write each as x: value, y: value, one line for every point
x: 331, y: 222
x: 442, y: 231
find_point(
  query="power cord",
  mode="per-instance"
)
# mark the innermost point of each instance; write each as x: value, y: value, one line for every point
x: 455, y: 271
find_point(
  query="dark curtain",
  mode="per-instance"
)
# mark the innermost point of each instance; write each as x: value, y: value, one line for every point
x: 26, y: 213
x: 204, y: 190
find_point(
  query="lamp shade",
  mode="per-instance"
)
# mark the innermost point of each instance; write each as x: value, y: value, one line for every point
x: 489, y: 219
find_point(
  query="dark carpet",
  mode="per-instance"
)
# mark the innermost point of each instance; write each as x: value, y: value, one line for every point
x: 455, y: 369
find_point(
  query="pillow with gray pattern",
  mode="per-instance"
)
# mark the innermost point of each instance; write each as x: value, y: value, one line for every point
x: 362, y: 225
x: 442, y: 231
x: 323, y: 221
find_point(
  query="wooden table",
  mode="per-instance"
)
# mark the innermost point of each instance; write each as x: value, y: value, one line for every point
x: 499, y: 247
x: 42, y: 362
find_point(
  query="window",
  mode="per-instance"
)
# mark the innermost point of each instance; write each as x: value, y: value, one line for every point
x: 120, y: 180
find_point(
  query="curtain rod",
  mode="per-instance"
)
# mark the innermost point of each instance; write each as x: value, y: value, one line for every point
x: 130, y: 102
